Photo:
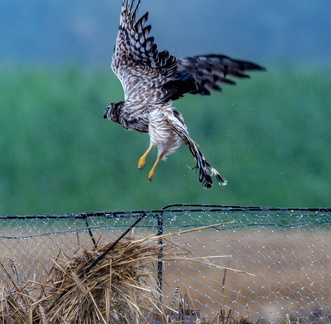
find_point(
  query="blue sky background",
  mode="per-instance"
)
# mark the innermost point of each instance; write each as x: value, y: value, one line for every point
x: 270, y: 32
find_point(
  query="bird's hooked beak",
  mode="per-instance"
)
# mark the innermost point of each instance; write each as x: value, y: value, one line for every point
x: 107, y: 111
x: 113, y: 111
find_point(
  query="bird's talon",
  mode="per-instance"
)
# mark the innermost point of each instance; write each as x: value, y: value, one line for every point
x: 141, y: 163
x: 150, y: 176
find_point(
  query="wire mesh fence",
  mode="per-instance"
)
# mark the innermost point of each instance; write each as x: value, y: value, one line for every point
x: 283, y: 255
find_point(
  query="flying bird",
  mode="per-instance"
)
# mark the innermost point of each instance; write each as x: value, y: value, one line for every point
x: 152, y: 80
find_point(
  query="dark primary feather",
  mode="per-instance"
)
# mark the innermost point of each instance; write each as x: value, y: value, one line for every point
x: 211, y: 69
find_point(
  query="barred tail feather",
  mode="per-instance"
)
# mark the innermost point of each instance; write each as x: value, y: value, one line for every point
x: 206, y: 170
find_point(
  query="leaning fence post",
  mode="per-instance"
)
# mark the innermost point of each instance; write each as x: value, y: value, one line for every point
x: 90, y: 231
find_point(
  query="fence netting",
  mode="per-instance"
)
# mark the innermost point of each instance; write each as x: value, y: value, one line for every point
x: 287, y: 251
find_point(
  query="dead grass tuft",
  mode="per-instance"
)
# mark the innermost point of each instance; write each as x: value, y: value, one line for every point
x: 114, y: 283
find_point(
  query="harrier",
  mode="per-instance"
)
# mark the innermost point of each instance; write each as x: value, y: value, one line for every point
x: 152, y: 80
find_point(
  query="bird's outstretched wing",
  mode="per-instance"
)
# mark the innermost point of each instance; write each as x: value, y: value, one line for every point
x: 136, y: 59
x: 206, y: 170
x: 212, y: 69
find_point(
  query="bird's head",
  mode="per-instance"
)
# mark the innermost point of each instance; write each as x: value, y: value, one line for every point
x: 113, y: 111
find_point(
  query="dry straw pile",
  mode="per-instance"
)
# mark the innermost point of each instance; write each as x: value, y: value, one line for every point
x: 114, y: 283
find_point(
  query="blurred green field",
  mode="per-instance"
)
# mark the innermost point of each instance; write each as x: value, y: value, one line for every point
x: 269, y: 136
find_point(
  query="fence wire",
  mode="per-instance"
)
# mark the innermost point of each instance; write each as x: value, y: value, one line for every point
x: 287, y: 250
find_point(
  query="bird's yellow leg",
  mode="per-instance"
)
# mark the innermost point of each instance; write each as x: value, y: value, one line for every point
x: 151, y: 173
x: 142, y: 160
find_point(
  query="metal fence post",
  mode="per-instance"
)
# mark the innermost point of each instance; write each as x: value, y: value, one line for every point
x: 160, y: 230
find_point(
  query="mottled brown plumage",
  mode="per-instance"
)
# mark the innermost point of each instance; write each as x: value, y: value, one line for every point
x: 152, y: 80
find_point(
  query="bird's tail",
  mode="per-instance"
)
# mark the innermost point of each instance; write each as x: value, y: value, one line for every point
x: 206, y: 170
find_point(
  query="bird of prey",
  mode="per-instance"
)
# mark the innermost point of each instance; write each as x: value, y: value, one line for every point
x: 153, y: 79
